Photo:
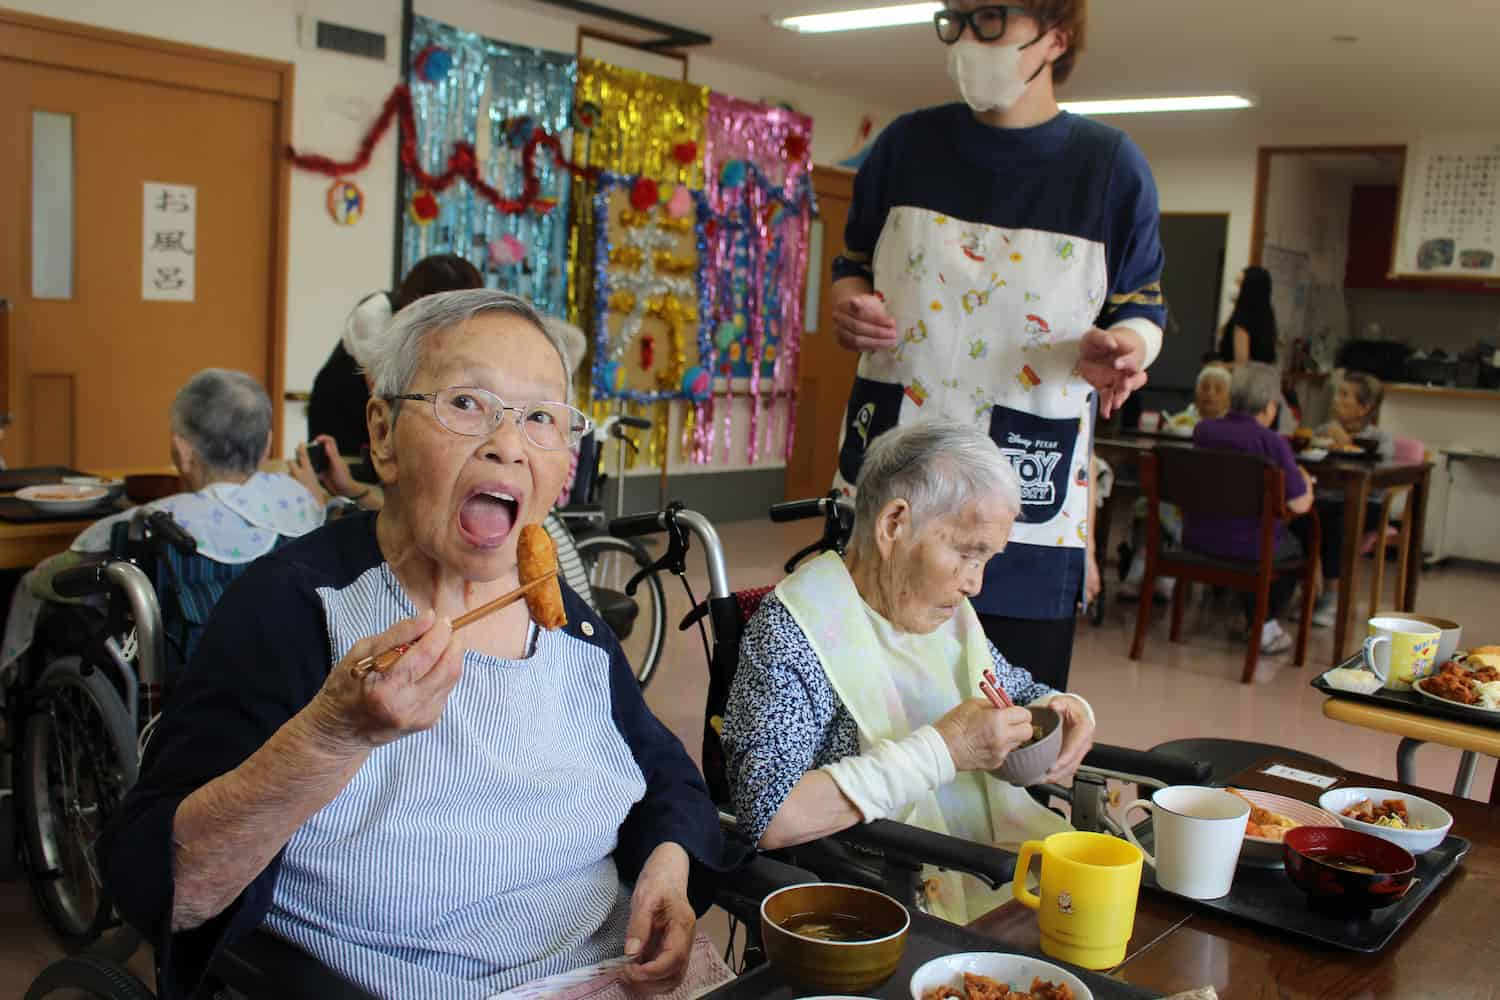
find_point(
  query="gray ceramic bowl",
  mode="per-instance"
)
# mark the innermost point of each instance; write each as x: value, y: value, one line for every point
x: 1027, y: 765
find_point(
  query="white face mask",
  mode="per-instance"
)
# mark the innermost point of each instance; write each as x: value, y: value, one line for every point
x: 988, y: 76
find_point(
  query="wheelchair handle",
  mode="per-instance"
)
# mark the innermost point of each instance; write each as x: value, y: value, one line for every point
x: 101, y: 578
x: 673, y: 520
x: 165, y: 525
x: 798, y: 510
x: 636, y: 525
x: 634, y: 423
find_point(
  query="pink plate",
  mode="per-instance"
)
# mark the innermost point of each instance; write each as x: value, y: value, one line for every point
x: 1262, y: 852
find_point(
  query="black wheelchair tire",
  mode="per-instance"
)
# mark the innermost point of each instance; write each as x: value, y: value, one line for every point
x: 112, y: 762
x: 92, y: 974
x: 655, y: 619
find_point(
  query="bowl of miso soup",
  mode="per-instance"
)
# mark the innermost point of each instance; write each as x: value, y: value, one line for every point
x: 1345, y: 870
x: 834, y: 937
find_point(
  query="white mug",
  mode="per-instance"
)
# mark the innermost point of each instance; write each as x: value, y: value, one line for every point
x: 1199, y: 832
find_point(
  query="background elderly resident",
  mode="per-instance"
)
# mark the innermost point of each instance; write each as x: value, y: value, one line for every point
x: 855, y: 697
x: 464, y: 823
x: 1254, y: 399
x: 221, y: 433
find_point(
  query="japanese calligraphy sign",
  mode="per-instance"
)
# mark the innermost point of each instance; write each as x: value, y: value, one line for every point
x: 170, y: 242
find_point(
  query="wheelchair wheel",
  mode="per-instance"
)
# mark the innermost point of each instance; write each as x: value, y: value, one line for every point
x: 610, y: 563
x: 74, y: 762
x: 88, y: 975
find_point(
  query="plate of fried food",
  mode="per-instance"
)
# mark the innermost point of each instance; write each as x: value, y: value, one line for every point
x: 986, y: 975
x: 62, y: 498
x: 1470, y: 681
x: 1271, y: 816
x: 1405, y: 820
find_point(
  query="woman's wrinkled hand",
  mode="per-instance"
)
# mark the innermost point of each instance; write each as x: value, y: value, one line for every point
x: 1078, y: 737
x: 864, y: 323
x: 659, y: 935
x: 408, y: 698
x: 980, y: 736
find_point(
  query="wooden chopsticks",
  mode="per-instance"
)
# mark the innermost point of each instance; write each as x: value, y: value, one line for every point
x: 382, y: 662
x: 990, y: 685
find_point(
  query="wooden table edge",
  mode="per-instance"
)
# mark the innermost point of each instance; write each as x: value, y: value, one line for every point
x: 1448, y: 732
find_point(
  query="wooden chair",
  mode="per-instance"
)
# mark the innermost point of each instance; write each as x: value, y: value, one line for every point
x: 1225, y: 484
x: 1407, y: 450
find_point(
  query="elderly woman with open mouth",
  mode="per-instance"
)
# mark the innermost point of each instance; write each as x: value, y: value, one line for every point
x: 855, y: 696
x: 498, y: 807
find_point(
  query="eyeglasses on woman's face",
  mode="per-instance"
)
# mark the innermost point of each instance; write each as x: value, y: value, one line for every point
x: 474, y: 412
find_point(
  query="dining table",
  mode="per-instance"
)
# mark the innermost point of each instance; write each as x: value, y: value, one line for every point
x: 1444, y: 950
x: 1356, y: 479
x: 25, y: 543
x: 1415, y: 729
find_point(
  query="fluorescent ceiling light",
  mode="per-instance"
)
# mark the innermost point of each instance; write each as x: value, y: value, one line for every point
x: 1147, y: 105
x: 867, y: 17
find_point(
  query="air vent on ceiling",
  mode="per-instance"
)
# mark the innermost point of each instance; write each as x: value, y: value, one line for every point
x: 332, y: 37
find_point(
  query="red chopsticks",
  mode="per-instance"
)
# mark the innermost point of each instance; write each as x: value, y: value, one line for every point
x: 990, y: 685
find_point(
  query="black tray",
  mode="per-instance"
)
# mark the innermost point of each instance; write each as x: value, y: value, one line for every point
x: 1406, y: 701
x: 36, y: 475
x: 1270, y: 899
x: 20, y: 512
x: 929, y: 938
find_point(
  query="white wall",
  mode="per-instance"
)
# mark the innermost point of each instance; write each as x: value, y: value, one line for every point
x: 337, y: 96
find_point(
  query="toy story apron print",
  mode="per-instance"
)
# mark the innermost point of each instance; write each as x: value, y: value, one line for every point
x: 991, y: 321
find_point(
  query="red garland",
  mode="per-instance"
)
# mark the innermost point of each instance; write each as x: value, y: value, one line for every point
x: 461, y: 162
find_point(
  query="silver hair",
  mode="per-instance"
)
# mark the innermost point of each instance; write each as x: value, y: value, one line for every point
x: 1255, y: 384
x: 937, y: 468
x: 225, y: 417
x: 395, y: 359
x: 1215, y: 372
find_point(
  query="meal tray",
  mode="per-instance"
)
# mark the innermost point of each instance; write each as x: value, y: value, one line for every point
x: 36, y: 475
x: 1272, y: 900
x: 928, y: 938
x: 20, y: 512
x: 1406, y: 701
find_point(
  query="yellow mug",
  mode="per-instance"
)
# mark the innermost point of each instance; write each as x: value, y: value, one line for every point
x: 1400, y: 650
x: 1086, y: 909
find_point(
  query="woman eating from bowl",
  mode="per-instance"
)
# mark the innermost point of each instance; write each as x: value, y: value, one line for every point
x: 856, y: 694
x: 500, y: 805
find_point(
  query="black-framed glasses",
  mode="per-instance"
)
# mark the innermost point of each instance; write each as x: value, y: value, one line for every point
x: 987, y: 23
x: 475, y: 412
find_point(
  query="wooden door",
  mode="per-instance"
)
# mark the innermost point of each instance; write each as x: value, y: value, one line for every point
x: 95, y: 364
x: 826, y: 369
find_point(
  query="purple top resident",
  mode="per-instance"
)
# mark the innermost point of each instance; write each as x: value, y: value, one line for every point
x: 1239, y: 537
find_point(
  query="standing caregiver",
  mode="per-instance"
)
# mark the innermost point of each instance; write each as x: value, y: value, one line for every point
x: 1002, y: 266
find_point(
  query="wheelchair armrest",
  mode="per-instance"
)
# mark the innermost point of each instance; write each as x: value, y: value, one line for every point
x: 82, y: 581
x: 913, y: 847
x: 1141, y: 763
x: 761, y: 875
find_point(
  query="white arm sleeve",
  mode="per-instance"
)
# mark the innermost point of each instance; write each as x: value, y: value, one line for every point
x: 890, y: 776
x: 1149, y: 331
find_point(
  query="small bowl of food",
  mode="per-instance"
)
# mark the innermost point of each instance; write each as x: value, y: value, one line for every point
x: 980, y: 975
x: 1312, y: 454
x: 1271, y: 818
x: 62, y: 498
x: 1029, y: 763
x: 834, y: 937
x: 1405, y: 820
x: 1346, y: 870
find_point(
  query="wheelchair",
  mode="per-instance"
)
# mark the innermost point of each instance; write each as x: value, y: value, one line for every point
x: 884, y: 855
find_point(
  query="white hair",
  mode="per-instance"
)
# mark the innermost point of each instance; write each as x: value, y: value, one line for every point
x: 396, y: 358
x: 225, y: 417
x: 1254, y: 387
x: 1215, y: 373
x: 937, y: 468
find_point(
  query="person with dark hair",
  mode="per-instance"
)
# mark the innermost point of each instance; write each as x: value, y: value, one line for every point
x: 1002, y: 267
x: 1250, y: 332
x: 340, y: 391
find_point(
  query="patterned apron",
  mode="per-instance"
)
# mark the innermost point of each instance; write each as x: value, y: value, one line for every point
x: 991, y: 321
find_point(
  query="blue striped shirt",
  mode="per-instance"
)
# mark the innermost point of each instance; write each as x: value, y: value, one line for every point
x: 490, y: 850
